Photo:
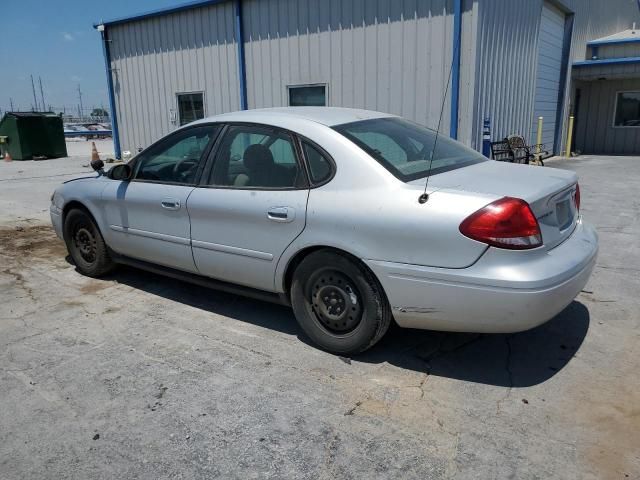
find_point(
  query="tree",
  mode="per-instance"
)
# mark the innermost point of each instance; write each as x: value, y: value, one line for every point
x: 99, y: 112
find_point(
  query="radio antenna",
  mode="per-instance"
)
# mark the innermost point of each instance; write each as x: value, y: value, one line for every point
x: 424, y: 197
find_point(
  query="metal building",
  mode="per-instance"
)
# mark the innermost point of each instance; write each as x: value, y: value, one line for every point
x: 509, y: 60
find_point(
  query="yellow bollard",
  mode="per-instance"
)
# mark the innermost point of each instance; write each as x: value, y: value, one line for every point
x: 539, y: 139
x: 569, y: 136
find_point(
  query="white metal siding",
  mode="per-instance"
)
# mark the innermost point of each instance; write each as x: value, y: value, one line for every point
x: 155, y: 58
x: 549, y: 68
x: 507, y: 49
x: 381, y: 55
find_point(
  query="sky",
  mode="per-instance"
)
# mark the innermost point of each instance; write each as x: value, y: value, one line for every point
x: 55, y: 40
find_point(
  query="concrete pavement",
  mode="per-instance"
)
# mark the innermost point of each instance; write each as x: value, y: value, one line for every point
x: 139, y: 376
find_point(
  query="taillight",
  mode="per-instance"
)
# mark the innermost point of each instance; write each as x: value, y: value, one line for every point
x: 506, y: 223
x: 576, y: 196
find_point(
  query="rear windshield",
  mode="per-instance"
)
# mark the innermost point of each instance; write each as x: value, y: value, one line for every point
x: 404, y: 148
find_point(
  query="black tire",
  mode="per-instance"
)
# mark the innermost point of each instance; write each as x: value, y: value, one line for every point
x: 339, y: 303
x: 86, y: 245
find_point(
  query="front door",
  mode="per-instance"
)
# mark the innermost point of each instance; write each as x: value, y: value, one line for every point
x: 147, y: 216
x: 250, y: 207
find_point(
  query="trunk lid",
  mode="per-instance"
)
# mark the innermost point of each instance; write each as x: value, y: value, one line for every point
x: 549, y: 191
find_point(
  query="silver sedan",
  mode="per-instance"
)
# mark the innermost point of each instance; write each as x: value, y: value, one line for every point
x: 352, y: 217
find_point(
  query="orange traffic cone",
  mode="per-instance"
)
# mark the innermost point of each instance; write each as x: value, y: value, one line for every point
x: 94, y: 152
x: 7, y: 156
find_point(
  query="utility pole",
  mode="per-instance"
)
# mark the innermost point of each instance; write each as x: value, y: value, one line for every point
x: 11, y: 103
x: 35, y: 99
x: 80, y: 97
x: 41, y: 93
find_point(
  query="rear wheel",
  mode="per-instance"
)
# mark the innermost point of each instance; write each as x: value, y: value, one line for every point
x: 86, y: 245
x: 339, y: 303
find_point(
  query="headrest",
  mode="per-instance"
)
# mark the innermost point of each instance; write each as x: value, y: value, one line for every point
x: 258, y: 156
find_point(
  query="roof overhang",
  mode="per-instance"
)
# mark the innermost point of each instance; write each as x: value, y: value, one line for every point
x: 626, y: 36
x: 607, y: 61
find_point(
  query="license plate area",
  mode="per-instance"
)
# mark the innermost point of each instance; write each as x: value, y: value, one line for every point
x: 564, y: 214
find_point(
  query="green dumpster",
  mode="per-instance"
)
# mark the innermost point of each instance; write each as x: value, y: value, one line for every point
x: 29, y: 135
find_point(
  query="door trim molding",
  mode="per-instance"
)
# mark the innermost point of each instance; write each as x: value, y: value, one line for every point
x: 244, y: 252
x: 146, y: 234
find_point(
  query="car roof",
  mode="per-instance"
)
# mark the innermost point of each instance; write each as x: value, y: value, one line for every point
x: 329, y: 116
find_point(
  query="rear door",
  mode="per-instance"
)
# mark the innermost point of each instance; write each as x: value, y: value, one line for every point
x: 147, y: 216
x: 249, y: 207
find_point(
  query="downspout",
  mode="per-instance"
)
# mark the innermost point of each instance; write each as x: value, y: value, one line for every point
x: 112, y: 100
x: 455, y: 68
x: 242, y: 74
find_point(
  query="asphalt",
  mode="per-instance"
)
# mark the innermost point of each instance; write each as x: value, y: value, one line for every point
x: 139, y: 376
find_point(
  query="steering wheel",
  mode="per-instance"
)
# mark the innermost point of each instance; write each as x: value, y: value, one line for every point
x: 181, y: 166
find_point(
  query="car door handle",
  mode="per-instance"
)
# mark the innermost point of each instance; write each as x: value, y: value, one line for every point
x: 281, y: 214
x: 170, y: 204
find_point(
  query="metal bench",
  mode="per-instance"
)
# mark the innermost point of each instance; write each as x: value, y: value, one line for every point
x: 501, y: 151
x: 523, y: 153
x: 514, y: 149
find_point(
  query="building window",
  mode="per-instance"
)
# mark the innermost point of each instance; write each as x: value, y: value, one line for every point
x: 307, y: 95
x: 190, y: 107
x: 627, y: 109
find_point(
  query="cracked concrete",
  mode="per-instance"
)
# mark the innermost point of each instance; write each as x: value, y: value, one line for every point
x: 138, y: 376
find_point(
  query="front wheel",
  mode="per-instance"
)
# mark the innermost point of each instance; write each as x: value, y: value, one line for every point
x: 86, y: 245
x: 339, y: 303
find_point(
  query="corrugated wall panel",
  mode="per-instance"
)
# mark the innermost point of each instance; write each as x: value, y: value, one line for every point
x: 506, y: 66
x: 386, y: 55
x: 619, y: 51
x: 548, y: 75
x: 154, y: 59
x: 506, y: 61
x: 595, y: 133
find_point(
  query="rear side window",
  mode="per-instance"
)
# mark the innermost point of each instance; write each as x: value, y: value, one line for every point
x: 404, y: 148
x: 319, y: 165
x: 259, y: 157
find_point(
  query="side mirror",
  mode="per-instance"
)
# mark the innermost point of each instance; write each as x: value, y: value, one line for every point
x: 98, y: 166
x: 120, y: 172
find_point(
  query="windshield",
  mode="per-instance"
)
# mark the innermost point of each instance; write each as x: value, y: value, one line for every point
x: 404, y: 148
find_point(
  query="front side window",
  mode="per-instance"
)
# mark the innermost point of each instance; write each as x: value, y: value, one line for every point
x: 190, y: 107
x: 254, y: 156
x: 627, y: 109
x: 404, y: 148
x: 308, y: 96
x: 176, y: 159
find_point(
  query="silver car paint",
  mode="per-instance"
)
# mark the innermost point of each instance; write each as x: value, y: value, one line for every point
x: 433, y: 276
x: 149, y: 221
x: 236, y: 238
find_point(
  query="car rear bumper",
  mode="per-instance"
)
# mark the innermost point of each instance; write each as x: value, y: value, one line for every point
x: 504, y: 291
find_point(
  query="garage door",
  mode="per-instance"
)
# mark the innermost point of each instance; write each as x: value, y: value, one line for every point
x: 550, y: 45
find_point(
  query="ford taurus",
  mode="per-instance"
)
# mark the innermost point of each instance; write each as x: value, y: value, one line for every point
x: 352, y: 217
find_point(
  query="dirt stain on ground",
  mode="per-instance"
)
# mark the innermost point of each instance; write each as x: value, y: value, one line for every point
x: 32, y: 242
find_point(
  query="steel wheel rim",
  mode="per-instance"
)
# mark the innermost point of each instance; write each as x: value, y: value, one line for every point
x: 85, y: 244
x: 335, y: 302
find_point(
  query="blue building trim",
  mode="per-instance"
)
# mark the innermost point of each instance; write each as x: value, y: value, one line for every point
x: 617, y: 41
x: 606, y: 61
x: 242, y: 70
x: 112, y: 101
x: 455, y: 68
x: 159, y: 12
